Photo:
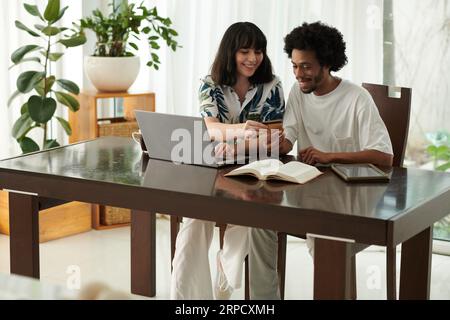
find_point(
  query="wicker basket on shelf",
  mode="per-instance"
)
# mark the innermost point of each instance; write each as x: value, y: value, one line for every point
x: 117, y: 128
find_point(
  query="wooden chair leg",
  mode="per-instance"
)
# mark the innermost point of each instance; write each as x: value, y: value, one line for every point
x: 222, y: 228
x: 174, y: 228
x: 247, y: 280
x: 281, y: 264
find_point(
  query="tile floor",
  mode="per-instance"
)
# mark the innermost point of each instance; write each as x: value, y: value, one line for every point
x: 104, y: 256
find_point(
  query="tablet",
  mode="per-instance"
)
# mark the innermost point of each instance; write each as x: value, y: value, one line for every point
x: 361, y: 172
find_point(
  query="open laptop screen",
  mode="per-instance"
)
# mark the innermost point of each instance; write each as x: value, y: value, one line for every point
x: 180, y: 139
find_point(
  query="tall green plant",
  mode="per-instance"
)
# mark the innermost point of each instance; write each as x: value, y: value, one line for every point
x: 113, y: 31
x: 38, y: 84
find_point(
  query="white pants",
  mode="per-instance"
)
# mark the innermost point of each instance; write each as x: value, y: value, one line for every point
x: 191, y: 275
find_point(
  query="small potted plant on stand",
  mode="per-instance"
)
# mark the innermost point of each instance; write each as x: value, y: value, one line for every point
x: 113, y: 67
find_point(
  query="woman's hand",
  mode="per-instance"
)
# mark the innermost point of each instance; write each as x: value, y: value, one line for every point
x: 251, y: 128
x: 224, y: 151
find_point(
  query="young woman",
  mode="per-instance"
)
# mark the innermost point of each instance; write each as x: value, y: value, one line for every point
x: 235, y: 99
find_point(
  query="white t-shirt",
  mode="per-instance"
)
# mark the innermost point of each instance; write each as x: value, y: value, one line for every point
x: 343, y: 120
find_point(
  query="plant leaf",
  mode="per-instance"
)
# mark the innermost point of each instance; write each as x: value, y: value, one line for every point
x: 22, y: 126
x: 55, y: 56
x: 74, y: 41
x: 35, y: 59
x: 52, y: 10
x: 51, y: 31
x: 40, y: 27
x: 18, y: 54
x: 21, y: 26
x: 155, y: 57
x: 154, y: 45
x: 50, y: 81
x: 13, y: 96
x: 61, y: 13
x: 444, y: 167
x: 68, y: 100
x: 51, y: 144
x: 28, y: 145
x: 41, y: 109
x: 24, y: 108
x: 133, y: 45
x: 33, y: 10
x: 69, y: 86
x: 65, y: 125
x: 39, y: 87
x: 28, y: 79
x: 431, y: 150
x: 441, y: 151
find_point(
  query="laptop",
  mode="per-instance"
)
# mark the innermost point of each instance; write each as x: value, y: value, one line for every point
x: 180, y: 139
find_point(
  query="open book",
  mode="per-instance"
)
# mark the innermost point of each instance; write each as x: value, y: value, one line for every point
x: 294, y: 171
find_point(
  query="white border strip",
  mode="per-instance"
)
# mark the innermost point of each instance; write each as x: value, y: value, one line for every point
x: 313, y: 235
x: 21, y: 192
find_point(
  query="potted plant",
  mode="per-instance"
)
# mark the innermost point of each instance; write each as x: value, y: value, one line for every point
x: 42, y: 88
x: 113, y: 66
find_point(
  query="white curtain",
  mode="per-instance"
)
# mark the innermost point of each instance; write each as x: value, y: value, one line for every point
x: 422, y: 61
x: 200, y: 24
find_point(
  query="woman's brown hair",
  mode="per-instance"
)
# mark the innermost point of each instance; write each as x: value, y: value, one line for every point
x: 240, y: 35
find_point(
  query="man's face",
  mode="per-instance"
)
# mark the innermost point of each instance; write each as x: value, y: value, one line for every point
x: 307, y: 70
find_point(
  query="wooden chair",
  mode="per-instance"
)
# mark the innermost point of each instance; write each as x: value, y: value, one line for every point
x: 395, y: 113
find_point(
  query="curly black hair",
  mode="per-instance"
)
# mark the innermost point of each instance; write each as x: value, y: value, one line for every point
x: 327, y: 42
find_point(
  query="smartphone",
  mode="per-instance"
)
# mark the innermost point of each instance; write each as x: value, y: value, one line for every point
x: 274, y: 124
x: 273, y: 121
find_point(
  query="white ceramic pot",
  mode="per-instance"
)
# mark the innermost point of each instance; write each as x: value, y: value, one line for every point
x: 112, y: 73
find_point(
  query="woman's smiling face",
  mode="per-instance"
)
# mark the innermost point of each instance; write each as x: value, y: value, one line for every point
x: 247, y: 61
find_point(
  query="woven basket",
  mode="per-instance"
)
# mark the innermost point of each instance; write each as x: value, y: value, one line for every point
x: 118, y: 128
x: 111, y: 215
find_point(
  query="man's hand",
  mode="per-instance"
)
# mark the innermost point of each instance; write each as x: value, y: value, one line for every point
x: 312, y: 156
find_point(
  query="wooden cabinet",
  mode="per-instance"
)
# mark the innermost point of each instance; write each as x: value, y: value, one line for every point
x: 84, y: 122
x: 87, y: 125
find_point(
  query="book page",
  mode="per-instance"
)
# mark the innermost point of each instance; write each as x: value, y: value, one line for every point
x: 263, y: 167
x: 301, y: 172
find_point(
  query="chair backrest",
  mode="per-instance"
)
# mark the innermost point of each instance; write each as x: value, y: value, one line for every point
x: 395, y: 112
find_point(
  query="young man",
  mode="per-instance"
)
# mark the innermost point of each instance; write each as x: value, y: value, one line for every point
x: 333, y: 120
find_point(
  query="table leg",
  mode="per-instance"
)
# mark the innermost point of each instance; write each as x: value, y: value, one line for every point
x: 415, y: 268
x: 332, y: 269
x: 143, y: 253
x: 24, y: 234
x: 391, y: 269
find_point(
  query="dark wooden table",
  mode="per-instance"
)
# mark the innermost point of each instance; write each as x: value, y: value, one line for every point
x: 112, y: 171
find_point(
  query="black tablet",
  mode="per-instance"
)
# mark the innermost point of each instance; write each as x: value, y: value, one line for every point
x: 361, y: 172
